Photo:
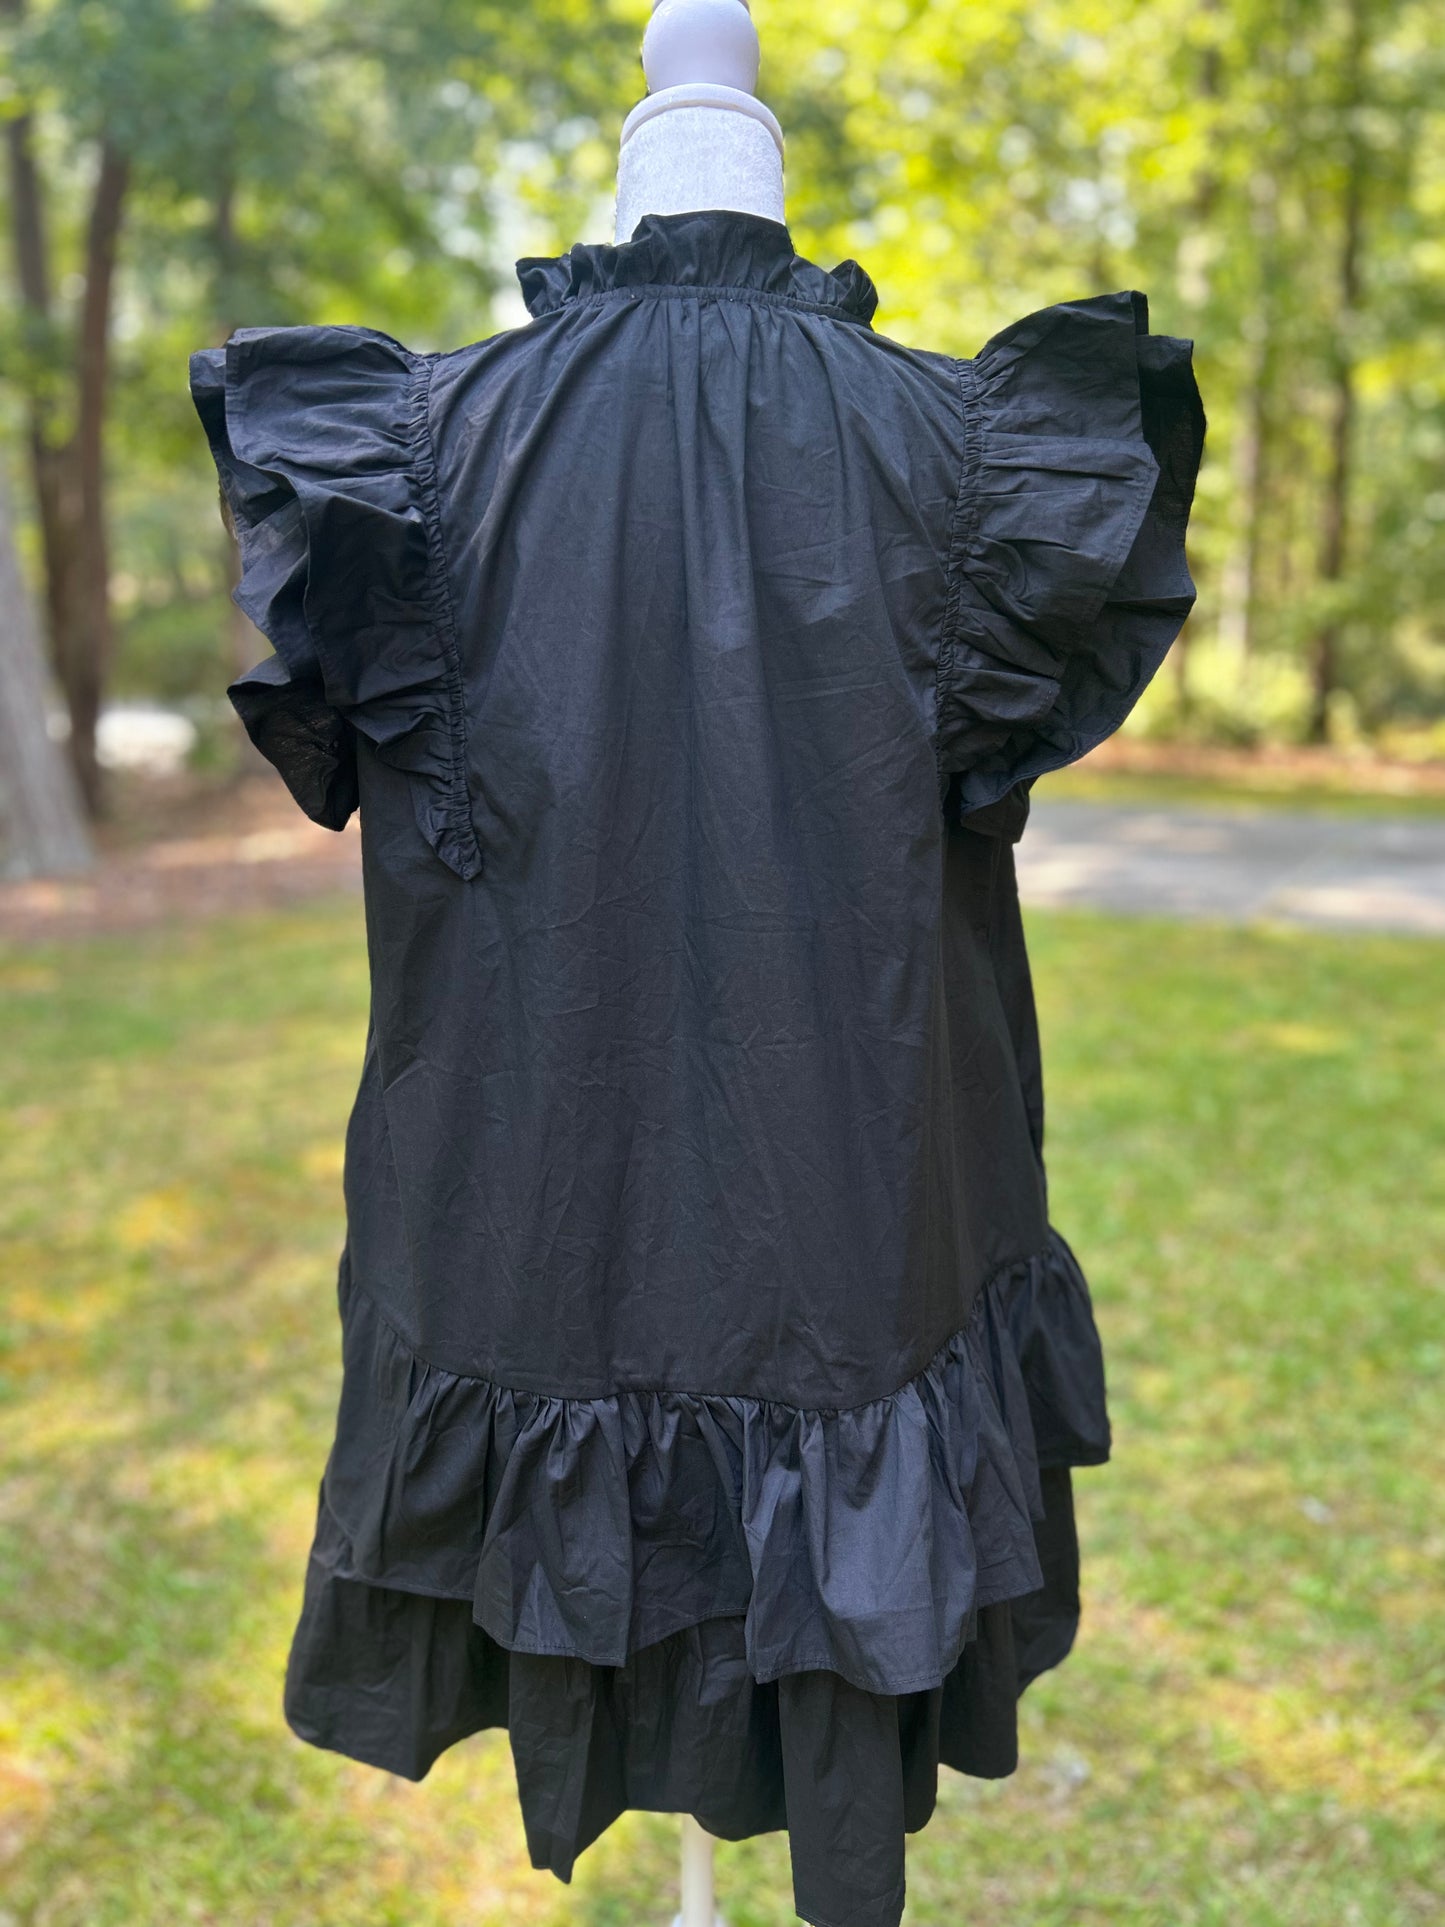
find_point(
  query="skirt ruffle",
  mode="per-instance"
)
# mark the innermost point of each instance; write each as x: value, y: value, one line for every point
x: 678, y: 1603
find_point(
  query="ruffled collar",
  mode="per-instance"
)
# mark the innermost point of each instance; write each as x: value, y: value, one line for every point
x: 710, y: 248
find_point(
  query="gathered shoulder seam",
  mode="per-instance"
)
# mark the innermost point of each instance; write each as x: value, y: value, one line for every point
x: 962, y: 531
x: 439, y: 599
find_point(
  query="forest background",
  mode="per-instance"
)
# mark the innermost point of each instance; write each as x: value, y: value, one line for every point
x: 1270, y: 172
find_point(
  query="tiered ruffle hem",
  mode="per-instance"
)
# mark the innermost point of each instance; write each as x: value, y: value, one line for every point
x: 765, y: 1616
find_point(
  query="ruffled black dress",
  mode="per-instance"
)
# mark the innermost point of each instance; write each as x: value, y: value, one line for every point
x: 713, y: 1375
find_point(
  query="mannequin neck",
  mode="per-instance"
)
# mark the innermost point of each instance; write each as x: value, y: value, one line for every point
x: 692, y: 157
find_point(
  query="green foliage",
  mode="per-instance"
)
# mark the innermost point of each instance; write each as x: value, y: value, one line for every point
x: 365, y: 160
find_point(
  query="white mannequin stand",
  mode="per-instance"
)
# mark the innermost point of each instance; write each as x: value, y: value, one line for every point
x: 701, y: 139
x: 697, y: 1878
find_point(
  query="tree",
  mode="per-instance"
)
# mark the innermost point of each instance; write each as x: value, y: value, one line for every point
x: 1270, y: 172
x: 307, y: 142
x: 42, y: 827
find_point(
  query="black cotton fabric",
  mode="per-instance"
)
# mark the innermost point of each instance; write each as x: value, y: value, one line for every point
x: 712, y: 1373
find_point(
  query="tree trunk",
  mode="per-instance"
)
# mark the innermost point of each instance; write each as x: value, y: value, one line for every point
x: 69, y: 476
x: 1238, y: 589
x: 1334, y: 522
x: 1193, y: 278
x: 42, y: 825
x: 88, y: 657
x: 52, y: 468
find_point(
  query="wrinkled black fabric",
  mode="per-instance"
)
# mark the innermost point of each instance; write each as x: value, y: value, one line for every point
x: 712, y: 1374
x: 854, y: 1541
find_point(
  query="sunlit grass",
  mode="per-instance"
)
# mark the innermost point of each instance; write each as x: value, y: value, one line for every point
x: 1246, y: 787
x: 1246, y: 1138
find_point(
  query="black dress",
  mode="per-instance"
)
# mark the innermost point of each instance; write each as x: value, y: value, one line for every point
x: 713, y: 1375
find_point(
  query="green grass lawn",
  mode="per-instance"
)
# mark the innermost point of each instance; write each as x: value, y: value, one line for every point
x: 1247, y: 1150
x: 1244, y: 788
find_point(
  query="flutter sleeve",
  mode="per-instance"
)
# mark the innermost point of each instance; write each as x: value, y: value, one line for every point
x: 320, y: 441
x: 1068, y: 581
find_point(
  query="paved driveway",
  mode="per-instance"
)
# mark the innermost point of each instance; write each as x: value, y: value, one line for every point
x: 1333, y: 871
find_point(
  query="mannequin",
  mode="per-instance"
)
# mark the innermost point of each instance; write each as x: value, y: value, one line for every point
x: 700, y: 139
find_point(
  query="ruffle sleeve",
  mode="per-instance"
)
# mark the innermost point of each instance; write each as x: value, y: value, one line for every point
x: 1083, y: 435
x: 321, y: 445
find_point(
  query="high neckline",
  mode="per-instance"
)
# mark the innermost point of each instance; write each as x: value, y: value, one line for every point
x: 706, y: 248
